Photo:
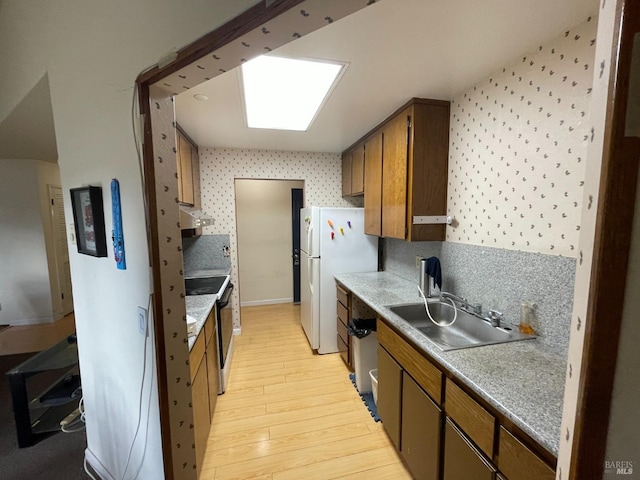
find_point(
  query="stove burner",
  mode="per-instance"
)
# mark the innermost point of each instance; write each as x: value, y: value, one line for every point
x: 204, y: 285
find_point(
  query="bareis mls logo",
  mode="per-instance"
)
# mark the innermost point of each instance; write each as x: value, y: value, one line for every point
x: 618, y: 467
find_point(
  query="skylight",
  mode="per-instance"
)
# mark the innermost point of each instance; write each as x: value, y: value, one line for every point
x: 286, y: 94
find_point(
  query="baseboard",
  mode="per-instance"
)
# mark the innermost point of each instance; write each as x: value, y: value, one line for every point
x: 272, y: 301
x: 97, y: 466
x: 31, y: 321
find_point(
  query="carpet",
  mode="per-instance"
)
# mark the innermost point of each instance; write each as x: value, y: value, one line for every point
x: 56, y: 456
x: 367, y: 398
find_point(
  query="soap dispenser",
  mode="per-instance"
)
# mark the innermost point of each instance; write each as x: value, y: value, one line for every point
x: 527, y: 316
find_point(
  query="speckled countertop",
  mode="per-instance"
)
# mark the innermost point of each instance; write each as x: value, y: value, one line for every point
x: 198, y: 307
x: 522, y: 380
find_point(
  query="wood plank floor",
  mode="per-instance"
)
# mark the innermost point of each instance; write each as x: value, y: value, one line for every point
x: 290, y: 414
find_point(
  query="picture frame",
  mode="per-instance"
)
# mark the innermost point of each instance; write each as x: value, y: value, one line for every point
x: 88, y: 219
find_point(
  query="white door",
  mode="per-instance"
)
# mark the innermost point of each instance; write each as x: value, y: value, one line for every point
x: 310, y: 299
x: 61, y: 250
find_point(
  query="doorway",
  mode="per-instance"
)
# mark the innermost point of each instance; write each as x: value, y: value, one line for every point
x: 265, y: 240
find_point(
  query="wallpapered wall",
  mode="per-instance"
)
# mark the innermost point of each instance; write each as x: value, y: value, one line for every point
x: 518, y: 150
x: 321, y: 172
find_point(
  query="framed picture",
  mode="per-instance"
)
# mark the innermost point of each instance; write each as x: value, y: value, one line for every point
x: 88, y: 218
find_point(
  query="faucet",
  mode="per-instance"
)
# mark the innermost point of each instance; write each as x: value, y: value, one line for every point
x: 474, y: 308
x: 494, y: 318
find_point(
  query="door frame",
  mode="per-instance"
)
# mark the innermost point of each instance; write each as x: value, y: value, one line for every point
x: 618, y: 186
x: 297, y: 200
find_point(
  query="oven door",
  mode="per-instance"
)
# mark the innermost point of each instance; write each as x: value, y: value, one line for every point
x: 225, y: 323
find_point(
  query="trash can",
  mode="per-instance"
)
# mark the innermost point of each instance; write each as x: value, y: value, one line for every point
x: 365, y: 350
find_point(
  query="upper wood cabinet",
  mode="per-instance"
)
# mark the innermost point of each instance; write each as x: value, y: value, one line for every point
x: 353, y: 171
x: 373, y: 185
x: 405, y: 174
x: 188, y: 170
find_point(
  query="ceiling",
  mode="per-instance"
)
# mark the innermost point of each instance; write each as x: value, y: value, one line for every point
x: 396, y: 49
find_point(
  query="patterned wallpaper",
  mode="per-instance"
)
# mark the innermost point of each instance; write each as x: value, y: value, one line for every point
x: 601, y: 77
x: 518, y: 150
x: 321, y: 172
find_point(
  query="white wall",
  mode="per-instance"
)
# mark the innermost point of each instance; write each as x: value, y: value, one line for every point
x: 265, y: 243
x: 92, y: 52
x: 25, y: 292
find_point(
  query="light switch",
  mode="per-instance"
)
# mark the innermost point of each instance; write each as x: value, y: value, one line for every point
x: 142, y: 321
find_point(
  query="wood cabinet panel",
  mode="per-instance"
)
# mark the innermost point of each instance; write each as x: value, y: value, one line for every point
x: 461, y: 460
x: 343, y: 295
x: 517, y: 462
x: 185, y: 176
x: 428, y: 168
x: 421, y: 369
x: 200, y: 402
x: 357, y: 170
x: 196, y: 354
x: 389, y: 395
x: 420, y: 432
x: 346, y: 174
x: 394, y: 172
x: 373, y: 185
x: 477, y: 423
x: 344, y: 350
x: 342, y: 332
x: 343, y: 313
x: 213, y: 375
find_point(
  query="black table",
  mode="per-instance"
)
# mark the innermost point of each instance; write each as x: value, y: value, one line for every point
x: 39, y: 403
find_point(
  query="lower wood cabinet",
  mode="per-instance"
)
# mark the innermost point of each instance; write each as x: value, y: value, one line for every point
x: 200, y: 405
x: 390, y: 395
x: 420, y: 431
x: 413, y: 401
x: 212, y: 373
x: 462, y: 461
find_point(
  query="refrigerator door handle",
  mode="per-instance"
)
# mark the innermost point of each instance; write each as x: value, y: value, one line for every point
x: 310, y: 277
x: 310, y: 239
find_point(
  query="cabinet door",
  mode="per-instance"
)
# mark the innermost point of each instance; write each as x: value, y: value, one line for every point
x: 185, y: 172
x: 517, y: 462
x: 373, y: 185
x: 421, y: 431
x: 389, y: 395
x: 395, y: 156
x: 346, y: 174
x: 200, y: 402
x: 213, y: 374
x: 357, y: 170
x: 461, y: 460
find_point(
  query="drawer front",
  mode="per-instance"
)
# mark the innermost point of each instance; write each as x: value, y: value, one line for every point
x: 517, y: 462
x: 343, y: 295
x: 342, y: 331
x: 343, y: 313
x: 461, y: 460
x: 343, y: 348
x: 209, y: 326
x: 421, y: 369
x: 196, y: 354
x: 477, y: 423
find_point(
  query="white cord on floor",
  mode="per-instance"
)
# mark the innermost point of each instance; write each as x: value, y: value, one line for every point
x: 426, y: 307
x: 86, y: 469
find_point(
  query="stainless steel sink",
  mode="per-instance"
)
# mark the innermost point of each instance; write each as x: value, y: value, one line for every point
x: 467, y: 331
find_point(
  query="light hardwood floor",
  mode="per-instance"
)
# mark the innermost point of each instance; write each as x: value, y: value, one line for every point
x: 290, y: 414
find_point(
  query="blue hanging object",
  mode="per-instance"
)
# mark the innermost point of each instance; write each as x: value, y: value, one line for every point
x: 117, y: 235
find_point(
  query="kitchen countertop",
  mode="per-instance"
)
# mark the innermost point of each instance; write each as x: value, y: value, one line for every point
x: 215, y: 272
x: 523, y: 380
x: 199, y: 306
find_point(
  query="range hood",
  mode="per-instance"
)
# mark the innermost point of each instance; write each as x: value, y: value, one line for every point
x: 191, y: 217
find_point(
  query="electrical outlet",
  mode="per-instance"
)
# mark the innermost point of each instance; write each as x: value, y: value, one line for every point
x: 226, y: 251
x: 418, y: 259
x: 72, y: 234
x: 0, y: 307
x: 142, y: 321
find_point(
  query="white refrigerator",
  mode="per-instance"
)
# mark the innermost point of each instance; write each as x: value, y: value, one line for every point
x: 332, y: 241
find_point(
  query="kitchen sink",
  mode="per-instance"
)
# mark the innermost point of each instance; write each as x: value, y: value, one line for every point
x: 467, y: 331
